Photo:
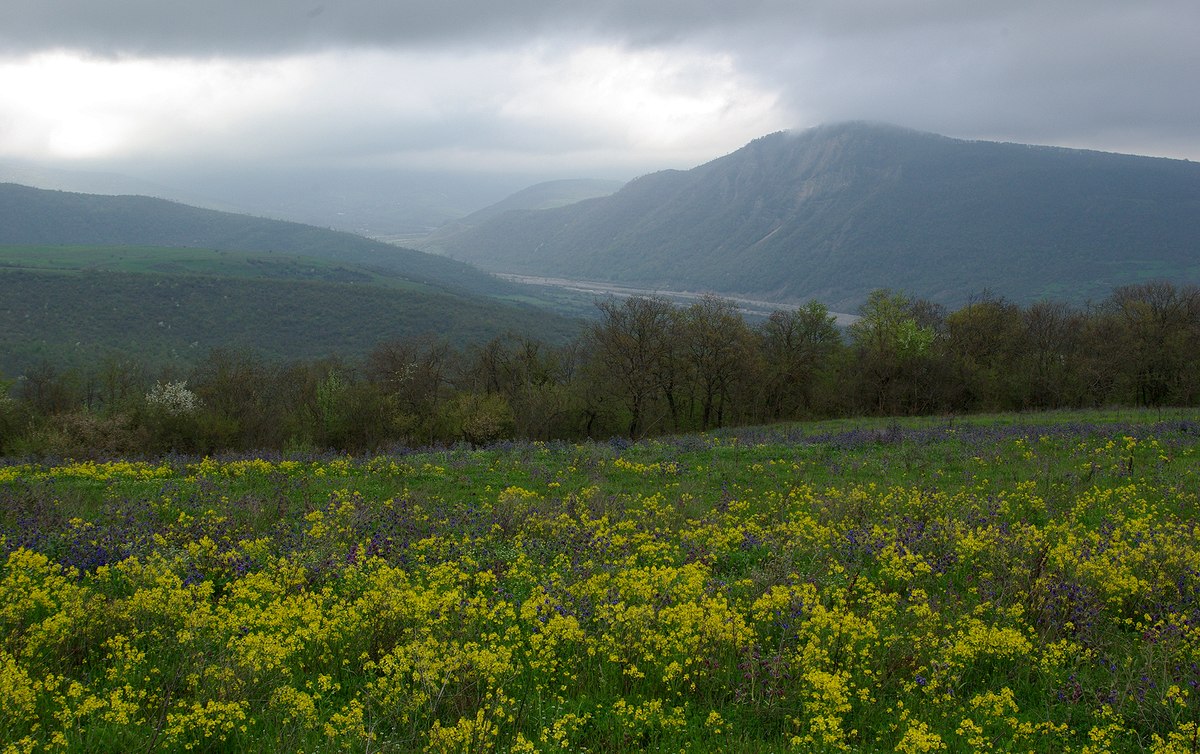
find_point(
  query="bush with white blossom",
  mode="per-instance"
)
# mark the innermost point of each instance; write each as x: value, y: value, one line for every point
x: 172, y: 398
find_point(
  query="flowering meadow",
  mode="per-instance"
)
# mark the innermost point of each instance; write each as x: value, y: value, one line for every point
x: 1005, y: 584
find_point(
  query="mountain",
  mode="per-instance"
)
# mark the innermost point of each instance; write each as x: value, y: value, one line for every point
x: 834, y: 212
x: 88, y: 182
x: 386, y: 204
x: 546, y: 195
x: 85, y: 277
x: 36, y: 217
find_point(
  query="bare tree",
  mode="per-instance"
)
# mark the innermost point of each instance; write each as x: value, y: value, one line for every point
x: 718, y: 348
x: 632, y: 350
x: 797, y: 347
x: 412, y: 374
x: 1158, y: 331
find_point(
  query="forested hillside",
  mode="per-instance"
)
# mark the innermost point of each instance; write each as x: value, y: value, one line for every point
x: 173, y: 321
x: 86, y: 277
x: 834, y: 212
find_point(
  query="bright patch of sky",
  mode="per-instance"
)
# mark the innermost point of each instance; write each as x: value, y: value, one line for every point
x: 602, y: 87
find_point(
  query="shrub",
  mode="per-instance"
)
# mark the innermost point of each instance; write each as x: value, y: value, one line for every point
x: 172, y: 398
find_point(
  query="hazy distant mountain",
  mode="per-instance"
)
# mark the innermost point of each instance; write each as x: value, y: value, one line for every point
x: 547, y: 195
x: 31, y: 216
x: 834, y: 212
x: 392, y: 205
x: 56, y: 179
x: 381, y: 203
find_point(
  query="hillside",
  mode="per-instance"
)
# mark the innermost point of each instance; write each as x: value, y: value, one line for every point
x: 86, y: 276
x: 546, y: 195
x: 38, y: 217
x: 35, y: 175
x: 834, y: 212
x: 282, y: 308
x: 381, y: 203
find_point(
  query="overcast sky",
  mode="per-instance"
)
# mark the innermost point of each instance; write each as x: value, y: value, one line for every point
x: 611, y: 88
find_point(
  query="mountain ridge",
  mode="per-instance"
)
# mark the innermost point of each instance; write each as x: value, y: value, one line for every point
x: 31, y: 216
x: 545, y: 195
x: 836, y: 211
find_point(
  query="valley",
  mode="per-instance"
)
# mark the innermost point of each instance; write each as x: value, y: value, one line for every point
x: 855, y: 268
x: 835, y: 212
x: 752, y: 308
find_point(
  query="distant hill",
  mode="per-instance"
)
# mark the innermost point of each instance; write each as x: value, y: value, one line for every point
x: 84, y: 276
x: 30, y: 216
x: 88, y: 182
x: 383, y: 203
x: 547, y: 195
x: 834, y: 212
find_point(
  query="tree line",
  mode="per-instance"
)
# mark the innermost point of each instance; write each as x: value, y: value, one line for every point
x: 644, y: 367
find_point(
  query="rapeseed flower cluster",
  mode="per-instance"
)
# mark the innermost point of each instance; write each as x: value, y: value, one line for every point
x: 702, y: 597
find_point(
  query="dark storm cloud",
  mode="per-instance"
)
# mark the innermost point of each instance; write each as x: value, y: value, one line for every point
x: 265, y: 27
x: 1103, y: 75
x: 238, y: 27
x: 1100, y: 73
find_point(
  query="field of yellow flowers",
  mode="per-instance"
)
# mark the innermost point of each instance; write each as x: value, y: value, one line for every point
x: 1016, y: 584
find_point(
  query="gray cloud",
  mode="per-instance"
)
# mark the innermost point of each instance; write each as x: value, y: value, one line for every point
x: 267, y: 27
x: 264, y: 27
x: 1100, y: 75
x: 1108, y: 74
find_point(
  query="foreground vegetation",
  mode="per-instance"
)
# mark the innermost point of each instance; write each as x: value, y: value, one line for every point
x: 1013, y: 583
